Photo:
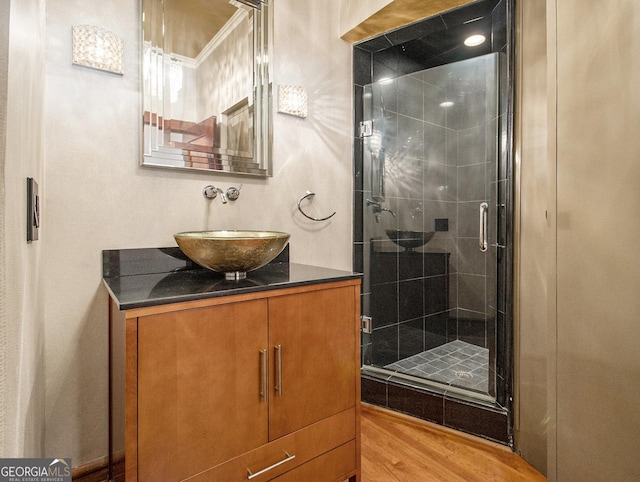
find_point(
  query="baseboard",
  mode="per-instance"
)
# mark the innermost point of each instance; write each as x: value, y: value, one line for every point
x: 98, y: 471
x: 435, y: 427
x: 95, y: 471
x: 489, y: 421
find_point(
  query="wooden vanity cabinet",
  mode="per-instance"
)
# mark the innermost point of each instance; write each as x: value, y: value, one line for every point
x: 225, y: 388
x: 198, y: 388
x: 317, y: 359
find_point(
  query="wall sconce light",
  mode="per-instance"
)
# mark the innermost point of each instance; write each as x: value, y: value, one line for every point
x: 292, y: 100
x: 97, y: 48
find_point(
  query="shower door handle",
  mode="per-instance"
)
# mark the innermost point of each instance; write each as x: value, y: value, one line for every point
x: 484, y: 227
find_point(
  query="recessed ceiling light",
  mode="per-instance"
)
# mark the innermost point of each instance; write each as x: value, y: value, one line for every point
x: 474, y: 40
x: 385, y: 80
x: 446, y: 103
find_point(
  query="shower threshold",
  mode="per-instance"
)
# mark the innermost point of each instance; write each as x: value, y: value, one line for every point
x: 455, y: 367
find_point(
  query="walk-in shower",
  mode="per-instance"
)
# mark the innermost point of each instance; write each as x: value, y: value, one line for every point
x: 434, y: 233
x: 432, y: 155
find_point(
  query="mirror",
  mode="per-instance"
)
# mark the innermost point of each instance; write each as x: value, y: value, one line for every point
x: 206, y: 92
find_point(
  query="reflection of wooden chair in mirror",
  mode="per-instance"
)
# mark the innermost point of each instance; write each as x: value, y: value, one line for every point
x: 197, y: 141
x: 199, y: 136
x: 204, y: 133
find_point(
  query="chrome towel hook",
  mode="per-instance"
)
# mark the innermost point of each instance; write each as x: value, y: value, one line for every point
x: 306, y: 195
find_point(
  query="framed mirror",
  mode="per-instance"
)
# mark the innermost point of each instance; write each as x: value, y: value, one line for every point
x: 206, y: 90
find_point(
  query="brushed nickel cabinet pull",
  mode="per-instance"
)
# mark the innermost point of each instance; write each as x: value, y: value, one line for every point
x: 278, y: 387
x: 263, y: 378
x: 260, y: 472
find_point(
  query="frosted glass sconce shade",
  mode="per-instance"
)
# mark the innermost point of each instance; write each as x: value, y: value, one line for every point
x: 292, y: 100
x: 97, y: 48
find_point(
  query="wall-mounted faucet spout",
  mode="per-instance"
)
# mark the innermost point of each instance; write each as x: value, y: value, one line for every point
x: 379, y: 213
x: 378, y: 209
x: 223, y: 196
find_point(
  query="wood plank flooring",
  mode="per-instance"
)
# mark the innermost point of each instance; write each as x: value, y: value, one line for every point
x: 398, y: 448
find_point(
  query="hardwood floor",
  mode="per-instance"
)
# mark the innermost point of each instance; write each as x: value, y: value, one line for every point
x: 398, y: 448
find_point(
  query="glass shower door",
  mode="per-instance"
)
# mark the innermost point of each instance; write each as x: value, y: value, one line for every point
x: 432, y: 158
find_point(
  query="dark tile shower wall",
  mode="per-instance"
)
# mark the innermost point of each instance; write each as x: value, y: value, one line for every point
x: 423, y: 45
x: 409, y: 297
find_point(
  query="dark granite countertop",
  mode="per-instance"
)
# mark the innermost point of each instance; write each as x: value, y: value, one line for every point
x: 138, y: 278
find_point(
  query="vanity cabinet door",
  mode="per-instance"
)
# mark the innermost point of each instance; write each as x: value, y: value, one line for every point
x: 312, y: 338
x: 200, y: 379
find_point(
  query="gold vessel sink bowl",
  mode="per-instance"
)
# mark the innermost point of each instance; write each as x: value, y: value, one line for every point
x: 232, y: 252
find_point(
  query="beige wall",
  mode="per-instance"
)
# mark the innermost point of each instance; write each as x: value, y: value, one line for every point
x: 354, y: 12
x: 4, y: 66
x: 598, y: 173
x: 21, y: 299
x: 97, y: 197
x: 534, y: 232
x: 578, y: 273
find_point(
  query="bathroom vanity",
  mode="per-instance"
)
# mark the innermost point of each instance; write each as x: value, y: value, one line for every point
x: 213, y: 380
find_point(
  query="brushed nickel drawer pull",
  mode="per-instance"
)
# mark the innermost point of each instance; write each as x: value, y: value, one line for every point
x: 278, y: 387
x: 260, y: 472
x: 263, y: 371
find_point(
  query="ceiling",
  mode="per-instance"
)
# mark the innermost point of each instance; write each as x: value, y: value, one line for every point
x: 189, y: 24
x: 438, y: 40
x: 397, y: 14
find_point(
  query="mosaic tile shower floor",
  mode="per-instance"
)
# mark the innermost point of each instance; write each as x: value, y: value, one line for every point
x: 456, y: 363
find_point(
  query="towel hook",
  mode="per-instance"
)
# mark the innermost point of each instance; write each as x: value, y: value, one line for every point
x: 306, y: 195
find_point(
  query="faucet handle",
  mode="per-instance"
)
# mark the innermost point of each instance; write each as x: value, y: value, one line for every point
x: 233, y: 192
x: 210, y: 192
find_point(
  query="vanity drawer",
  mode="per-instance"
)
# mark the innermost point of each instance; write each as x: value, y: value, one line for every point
x: 335, y: 466
x: 305, y: 444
